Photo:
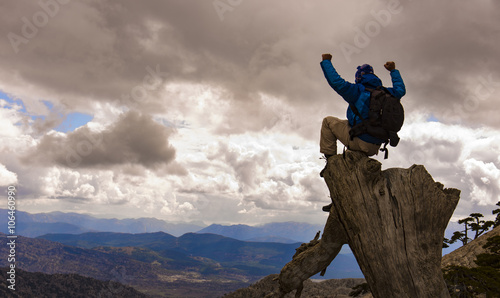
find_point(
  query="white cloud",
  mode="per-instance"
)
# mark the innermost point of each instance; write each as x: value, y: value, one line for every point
x: 457, y: 156
x: 7, y: 177
x: 133, y: 139
x: 10, y: 118
x: 231, y: 110
x: 485, y: 180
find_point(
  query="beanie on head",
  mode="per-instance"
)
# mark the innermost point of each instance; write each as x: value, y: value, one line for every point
x: 362, y: 70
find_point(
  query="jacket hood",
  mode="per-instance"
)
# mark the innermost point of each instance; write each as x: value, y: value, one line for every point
x: 370, y: 81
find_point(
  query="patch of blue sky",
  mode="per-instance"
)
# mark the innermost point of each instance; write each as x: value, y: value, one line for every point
x: 70, y: 121
x: 8, y: 99
x: 432, y: 118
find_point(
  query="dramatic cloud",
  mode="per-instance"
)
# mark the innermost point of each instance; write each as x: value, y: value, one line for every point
x: 133, y: 139
x: 122, y: 52
x: 7, y: 177
x: 208, y: 113
x: 457, y: 156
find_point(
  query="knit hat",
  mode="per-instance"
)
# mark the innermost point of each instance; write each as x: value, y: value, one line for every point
x: 362, y: 70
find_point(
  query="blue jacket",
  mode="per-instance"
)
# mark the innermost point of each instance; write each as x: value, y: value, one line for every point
x: 355, y: 94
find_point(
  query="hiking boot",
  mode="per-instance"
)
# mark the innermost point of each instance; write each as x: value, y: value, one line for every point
x: 327, y: 208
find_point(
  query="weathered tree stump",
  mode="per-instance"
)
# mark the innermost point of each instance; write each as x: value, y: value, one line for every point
x: 394, y: 222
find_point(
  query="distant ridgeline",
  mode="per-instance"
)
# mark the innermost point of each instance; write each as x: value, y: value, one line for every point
x: 159, y: 262
x: 33, y: 225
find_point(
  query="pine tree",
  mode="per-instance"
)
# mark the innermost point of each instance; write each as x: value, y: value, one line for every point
x: 484, y: 279
x: 479, y: 226
x: 473, y: 223
x: 496, y: 223
x: 463, y: 236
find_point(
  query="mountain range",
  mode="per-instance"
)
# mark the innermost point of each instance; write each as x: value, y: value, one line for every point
x: 255, y: 259
x: 284, y: 232
x: 33, y: 225
x: 208, y: 261
x: 161, y: 264
x: 156, y: 271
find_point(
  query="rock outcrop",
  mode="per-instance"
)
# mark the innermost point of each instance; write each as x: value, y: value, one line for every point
x: 467, y: 254
x: 394, y: 222
x: 338, y: 288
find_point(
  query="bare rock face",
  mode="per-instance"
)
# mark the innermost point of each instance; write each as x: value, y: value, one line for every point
x: 465, y: 255
x: 393, y: 221
x: 338, y: 288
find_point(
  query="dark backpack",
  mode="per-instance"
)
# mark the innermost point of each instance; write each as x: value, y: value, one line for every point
x: 385, y: 118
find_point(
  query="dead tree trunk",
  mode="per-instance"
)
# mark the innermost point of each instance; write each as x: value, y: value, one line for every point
x: 394, y: 222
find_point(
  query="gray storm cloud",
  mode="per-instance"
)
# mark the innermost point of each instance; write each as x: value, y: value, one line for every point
x: 102, y: 49
x: 260, y: 65
x: 134, y: 139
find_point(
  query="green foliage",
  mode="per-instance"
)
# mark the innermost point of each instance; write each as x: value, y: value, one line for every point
x: 490, y: 259
x: 37, y: 284
x: 493, y: 244
x: 458, y: 235
x: 496, y: 223
x: 479, y: 226
x: 445, y: 242
x: 484, y: 279
x: 470, y: 282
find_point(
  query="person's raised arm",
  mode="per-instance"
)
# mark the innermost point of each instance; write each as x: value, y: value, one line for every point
x: 398, y: 86
x: 350, y: 92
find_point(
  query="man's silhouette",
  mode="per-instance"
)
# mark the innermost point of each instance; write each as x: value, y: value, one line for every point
x: 333, y: 128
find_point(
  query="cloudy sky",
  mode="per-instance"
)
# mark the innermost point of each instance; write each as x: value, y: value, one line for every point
x: 210, y: 111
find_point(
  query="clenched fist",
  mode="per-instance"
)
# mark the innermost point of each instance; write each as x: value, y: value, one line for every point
x: 390, y: 65
x: 326, y: 56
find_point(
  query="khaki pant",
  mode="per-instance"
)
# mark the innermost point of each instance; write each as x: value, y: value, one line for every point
x: 334, y: 129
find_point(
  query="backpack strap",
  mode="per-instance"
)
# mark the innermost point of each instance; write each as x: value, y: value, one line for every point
x: 355, y: 110
x: 386, y: 155
x: 360, y: 128
x: 356, y: 128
